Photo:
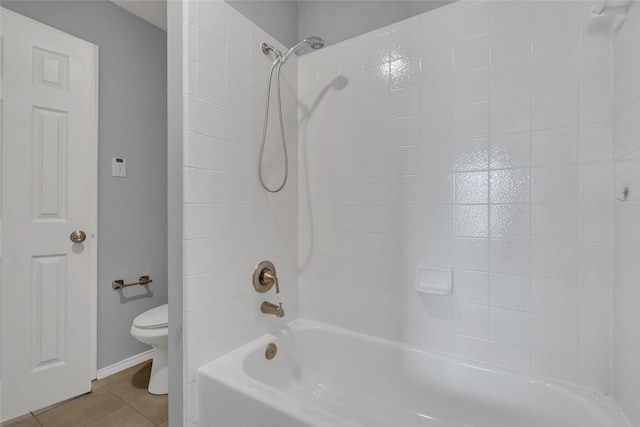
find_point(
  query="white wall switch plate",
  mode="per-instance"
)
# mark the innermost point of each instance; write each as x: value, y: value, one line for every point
x: 119, y: 167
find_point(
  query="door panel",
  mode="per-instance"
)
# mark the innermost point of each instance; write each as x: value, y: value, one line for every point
x: 49, y: 151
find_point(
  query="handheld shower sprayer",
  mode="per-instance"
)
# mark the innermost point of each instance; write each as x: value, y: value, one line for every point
x: 314, y: 43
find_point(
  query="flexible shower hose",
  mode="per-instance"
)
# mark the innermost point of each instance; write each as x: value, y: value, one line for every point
x: 277, y: 63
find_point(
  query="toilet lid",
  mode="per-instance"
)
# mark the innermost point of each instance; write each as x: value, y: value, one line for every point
x: 155, y: 318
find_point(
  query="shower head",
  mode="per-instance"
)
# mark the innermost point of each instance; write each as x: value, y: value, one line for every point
x: 313, y: 42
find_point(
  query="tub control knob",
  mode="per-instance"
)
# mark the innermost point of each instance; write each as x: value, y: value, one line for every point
x: 264, y: 277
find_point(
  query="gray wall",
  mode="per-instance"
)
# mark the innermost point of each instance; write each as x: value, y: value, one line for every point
x: 334, y: 20
x: 340, y: 20
x: 279, y: 18
x: 132, y: 213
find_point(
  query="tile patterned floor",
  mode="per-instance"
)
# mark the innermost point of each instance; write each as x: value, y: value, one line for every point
x: 120, y: 400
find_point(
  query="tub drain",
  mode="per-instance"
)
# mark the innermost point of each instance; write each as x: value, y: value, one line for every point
x: 271, y: 351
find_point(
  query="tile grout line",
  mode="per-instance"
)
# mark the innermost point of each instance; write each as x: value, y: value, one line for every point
x: 127, y: 404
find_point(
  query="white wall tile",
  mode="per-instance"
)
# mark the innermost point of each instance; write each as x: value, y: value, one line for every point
x: 470, y: 20
x: 510, y: 186
x: 211, y: 52
x: 211, y: 17
x: 471, y: 187
x: 470, y: 348
x: 554, y: 334
x: 436, y: 126
x: 471, y: 54
x: 211, y: 119
x: 471, y: 221
x: 471, y: 87
x: 509, y: 291
x: 470, y: 320
x: 509, y: 356
x: 510, y: 150
x: 404, y: 102
x: 436, y: 29
x: 553, y: 71
x: 510, y: 115
x: 555, y: 26
x: 471, y: 287
x: 555, y: 221
x: 404, y: 71
x: 239, y: 66
x: 594, y: 341
x: 559, y: 260
x: 436, y: 94
x: 595, y: 302
x: 512, y: 43
x: 558, y: 184
x: 594, y: 375
x: 211, y: 86
x: 509, y: 326
x: 404, y: 131
x: 555, y: 108
x: 238, y: 31
x: 554, y: 297
x: 436, y: 63
x: 556, y: 146
x: 595, y: 142
x: 509, y: 256
x: 510, y: 221
x: 554, y: 365
x: 509, y: 14
x: 509, y: 79
x: 238, y: 97
x: 435, y: 219
x: 471, y: 154
x: 435, y: 187
x: 471, y: 120
x: 470, y: 254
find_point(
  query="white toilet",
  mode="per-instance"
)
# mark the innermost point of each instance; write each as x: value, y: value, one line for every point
x: 151, y: 327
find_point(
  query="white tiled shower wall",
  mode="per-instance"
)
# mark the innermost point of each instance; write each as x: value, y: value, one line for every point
x: 626, y: 239
x: 475, y: 137
x: 230, y: 224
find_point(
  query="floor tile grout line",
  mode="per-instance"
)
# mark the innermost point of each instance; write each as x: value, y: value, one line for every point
x: 127, y: 404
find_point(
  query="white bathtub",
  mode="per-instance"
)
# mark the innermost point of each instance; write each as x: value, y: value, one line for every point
x: 326, y: 376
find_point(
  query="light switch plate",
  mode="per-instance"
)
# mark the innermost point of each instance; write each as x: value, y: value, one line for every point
x: 119, y: 167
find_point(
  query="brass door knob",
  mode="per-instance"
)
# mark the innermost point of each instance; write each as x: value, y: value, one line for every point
x: 78, y: 236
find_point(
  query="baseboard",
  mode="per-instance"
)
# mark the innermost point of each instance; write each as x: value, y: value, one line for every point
x: 124, y: 364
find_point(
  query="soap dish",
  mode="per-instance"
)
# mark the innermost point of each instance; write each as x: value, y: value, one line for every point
x: 434, y: 281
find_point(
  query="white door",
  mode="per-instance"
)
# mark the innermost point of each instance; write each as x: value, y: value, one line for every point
x: 49, y: 152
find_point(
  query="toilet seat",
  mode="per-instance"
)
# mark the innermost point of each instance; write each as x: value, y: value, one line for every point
x: 155, y: 318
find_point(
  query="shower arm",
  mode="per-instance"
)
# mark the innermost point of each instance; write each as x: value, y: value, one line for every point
x: 267, y: 49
